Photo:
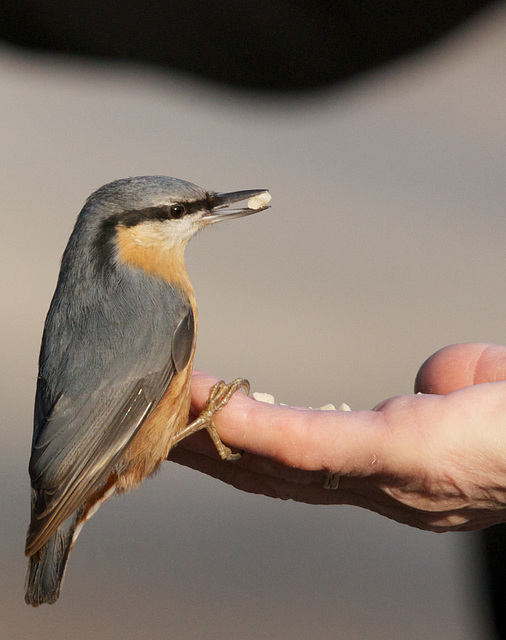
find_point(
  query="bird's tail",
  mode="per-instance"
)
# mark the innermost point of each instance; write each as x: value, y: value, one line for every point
x: 47, y: 569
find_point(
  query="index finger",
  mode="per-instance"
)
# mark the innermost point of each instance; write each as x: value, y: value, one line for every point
x: 302, y: 438
x: 409, y: 437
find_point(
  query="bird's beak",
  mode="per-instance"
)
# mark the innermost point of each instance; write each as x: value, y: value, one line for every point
x: 219, y: 203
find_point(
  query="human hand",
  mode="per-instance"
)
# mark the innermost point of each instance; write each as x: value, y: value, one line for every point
x: 436, y: 461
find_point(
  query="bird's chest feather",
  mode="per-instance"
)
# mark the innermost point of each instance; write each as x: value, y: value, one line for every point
x: 152, y: 443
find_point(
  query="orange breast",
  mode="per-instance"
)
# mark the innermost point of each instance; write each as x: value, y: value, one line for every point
x: 152, y: 443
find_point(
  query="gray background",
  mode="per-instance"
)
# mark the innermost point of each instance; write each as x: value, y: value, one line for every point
x: 385, y: 241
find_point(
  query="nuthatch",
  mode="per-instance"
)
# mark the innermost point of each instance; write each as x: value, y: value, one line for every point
x: 113, y: 389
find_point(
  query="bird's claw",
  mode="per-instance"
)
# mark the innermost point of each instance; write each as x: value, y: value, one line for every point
x: 218, y: 399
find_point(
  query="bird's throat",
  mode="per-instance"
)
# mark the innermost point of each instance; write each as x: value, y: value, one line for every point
x: 154, y: 259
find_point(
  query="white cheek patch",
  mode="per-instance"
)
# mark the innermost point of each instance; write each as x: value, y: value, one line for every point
x: 165, y: 234
x: 259, y: 201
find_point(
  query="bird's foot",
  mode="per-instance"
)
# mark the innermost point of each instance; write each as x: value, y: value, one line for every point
x: 218, y: 398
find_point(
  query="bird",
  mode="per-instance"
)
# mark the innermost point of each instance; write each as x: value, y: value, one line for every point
x: 113, y: 386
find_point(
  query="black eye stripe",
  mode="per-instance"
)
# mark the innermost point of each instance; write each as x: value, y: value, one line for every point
x: 163, y: 212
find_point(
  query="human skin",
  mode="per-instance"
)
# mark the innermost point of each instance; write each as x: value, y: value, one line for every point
x: 435, y: 461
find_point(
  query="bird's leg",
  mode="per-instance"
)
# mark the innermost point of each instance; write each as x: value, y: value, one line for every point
x: 218, y: 398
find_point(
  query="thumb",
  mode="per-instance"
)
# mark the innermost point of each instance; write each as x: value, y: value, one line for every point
x: 461, y: 365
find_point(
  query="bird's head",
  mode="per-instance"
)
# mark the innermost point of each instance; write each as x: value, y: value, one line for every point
x: 148, y: 220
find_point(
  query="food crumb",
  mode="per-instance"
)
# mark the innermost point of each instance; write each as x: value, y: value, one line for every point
x: 259, y: 201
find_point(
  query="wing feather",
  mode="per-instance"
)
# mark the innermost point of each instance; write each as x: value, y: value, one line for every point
x: 81, y: 440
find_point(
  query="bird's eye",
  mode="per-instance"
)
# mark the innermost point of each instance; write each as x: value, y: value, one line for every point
x: 177, y: 211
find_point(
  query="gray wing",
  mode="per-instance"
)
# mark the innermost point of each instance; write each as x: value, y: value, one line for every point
x: 81, y: 439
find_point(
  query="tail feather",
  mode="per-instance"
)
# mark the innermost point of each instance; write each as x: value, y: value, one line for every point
x: 47, y: 568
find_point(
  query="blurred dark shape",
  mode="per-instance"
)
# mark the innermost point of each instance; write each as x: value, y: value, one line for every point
x: 277, y: 45
x: 493, y: 542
